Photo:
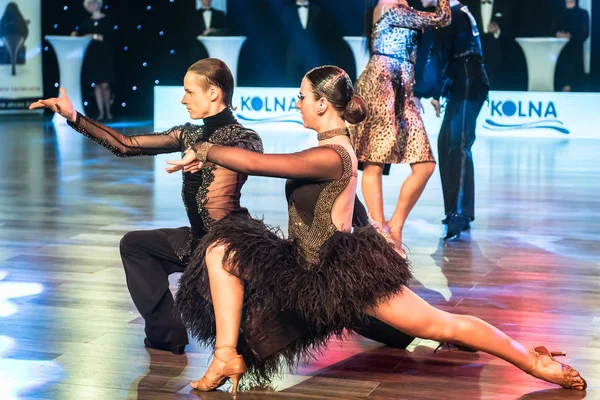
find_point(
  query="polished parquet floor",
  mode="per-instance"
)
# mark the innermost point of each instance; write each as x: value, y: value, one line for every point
x: 68, y: 328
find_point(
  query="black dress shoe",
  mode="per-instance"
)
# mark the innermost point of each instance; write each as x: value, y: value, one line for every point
x: 456, y: 224
x: 465, y: 348
x: 447, y: 218
x: 178, y: 350
x: 452, y: 345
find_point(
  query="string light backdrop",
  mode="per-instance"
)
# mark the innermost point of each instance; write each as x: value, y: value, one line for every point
x: 147, y: 45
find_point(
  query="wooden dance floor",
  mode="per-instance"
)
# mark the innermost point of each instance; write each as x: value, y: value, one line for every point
x: 69, y: 330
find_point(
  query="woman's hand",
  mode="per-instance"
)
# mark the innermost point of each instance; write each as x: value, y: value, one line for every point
x: 61, y: 105
x: 189, y: 163
x: 417, y: 102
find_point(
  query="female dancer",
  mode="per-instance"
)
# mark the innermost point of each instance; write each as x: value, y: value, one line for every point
x: 276, y: 299
x: 393, y: 133
x: 149, y: 257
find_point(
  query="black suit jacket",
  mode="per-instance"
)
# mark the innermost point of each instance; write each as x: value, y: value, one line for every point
x: 502, y: 14
x: 304, y: 47
x: 290, y: 20
x: 197, y: 25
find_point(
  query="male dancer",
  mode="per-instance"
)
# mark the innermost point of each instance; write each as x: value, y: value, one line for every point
x: 455, y: 70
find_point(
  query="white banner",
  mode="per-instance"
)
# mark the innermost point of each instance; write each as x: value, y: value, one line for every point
x: 20, y: 53
x: 533, y: 114
x: 515, y: 114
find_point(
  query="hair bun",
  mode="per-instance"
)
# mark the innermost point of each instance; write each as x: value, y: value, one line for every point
x: 356, y: 110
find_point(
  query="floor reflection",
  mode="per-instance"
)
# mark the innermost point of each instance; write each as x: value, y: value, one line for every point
x: 163, y: 369
x: 68, y: 328
x: 16, y: 373
x: 14, y: 290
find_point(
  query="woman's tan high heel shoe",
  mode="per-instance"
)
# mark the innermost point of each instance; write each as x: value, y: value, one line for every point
x: 233, y: 369
x: 569, y: 380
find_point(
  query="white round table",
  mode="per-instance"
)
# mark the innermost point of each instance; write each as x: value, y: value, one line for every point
x: 541, y: 55
x: 225, y: 48
x: 361, y: 55
x: 70, y: 51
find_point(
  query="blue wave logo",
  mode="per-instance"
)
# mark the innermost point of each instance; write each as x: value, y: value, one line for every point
x: 515, y: 111
x: 547, y: 124
x: 279, y: 118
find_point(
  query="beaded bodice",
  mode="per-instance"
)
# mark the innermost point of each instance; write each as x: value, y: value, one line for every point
x: 309, y: 208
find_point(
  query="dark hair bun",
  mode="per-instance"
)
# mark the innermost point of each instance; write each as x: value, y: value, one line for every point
x: 356, y: 110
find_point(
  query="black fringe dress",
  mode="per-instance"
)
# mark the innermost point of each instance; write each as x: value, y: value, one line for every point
x: 300, y: 291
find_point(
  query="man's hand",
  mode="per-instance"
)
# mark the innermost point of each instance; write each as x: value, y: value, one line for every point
x: 436, y: 105
x: 188, y: 163
x: 417, y: 102
x: 493, y: 27
x: 61, y: 105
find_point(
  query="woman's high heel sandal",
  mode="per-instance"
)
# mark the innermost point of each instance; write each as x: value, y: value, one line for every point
x: 233, y: 369
x: 570, y: 377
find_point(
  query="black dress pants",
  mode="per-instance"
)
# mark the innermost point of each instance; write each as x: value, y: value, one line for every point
x: 455, y: 140
x: 149, y: 259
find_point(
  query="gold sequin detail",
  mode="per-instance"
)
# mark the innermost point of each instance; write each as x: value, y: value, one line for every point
x: 185, y: 249
x: 202, y: 151
x: 311, y: 238
x: 333, y: 133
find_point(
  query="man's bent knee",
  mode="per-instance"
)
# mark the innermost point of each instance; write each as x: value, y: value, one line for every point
x: 129, y: 242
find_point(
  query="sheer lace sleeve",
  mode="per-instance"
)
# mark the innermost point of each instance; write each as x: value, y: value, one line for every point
x: 318, y: 163
x: 407, y: 17
x: 128, y: 146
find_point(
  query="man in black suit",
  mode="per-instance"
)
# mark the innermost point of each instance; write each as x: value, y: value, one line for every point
x: 495, y: 24
x: 301, y: 21
x: 203, y: 20
x: 211, y: 21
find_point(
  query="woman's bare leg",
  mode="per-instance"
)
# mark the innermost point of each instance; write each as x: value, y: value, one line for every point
x: 372, y: 189
x: 411, y: 190
x: 99, y: 96
x: 106, y: 99
x: 412, y: 315
x: 227, y: 293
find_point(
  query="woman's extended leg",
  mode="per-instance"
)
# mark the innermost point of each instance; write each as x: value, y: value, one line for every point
x: 412, y: 315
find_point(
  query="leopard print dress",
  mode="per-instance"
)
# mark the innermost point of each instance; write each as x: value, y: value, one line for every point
x: 393, y: 133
